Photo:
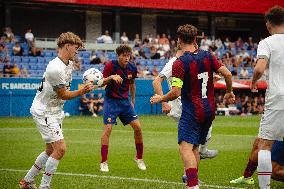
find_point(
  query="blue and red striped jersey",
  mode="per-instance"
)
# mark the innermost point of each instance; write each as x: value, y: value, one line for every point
x: 117, y: 90
x: 197, y: 93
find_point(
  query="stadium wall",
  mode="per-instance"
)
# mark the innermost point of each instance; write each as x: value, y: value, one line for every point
x: 16, y: 96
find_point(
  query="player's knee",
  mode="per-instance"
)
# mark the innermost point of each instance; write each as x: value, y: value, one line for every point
x: 60, y: 150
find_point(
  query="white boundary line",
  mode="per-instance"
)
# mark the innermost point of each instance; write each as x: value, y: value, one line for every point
x: 119, y: 131
x: 124, y: 178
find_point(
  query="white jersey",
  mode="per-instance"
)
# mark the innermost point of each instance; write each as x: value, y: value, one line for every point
x: 272, y: 49
x: 167, y: 71
x: 46, y: 101
x: 176, y: 105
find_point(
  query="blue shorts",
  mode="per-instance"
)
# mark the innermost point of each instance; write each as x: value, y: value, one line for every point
x: 121, y: 108
x: 277, y: 152
x: 192, y: 131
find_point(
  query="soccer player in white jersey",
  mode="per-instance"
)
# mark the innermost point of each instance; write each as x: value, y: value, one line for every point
x: 47, y: 109
x: 270, y: 57
x: 174, y: 108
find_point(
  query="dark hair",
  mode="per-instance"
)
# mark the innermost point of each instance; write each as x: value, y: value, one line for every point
x: 187, y: 33
x: 123, y: 49
x: 275, y: 15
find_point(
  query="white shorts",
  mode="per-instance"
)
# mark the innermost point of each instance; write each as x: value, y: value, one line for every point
x: 176, y: 109
x: 50, y: 127
x: 272, y: 125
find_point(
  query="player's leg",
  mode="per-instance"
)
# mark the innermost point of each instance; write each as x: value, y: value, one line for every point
x: 250, y: 167
x: 188, y: 157
x: 135, y: 124
x: 105, y: 142
x: 277, y: 158
x: 28, y: 181
x: 264, y: 168
x: 277, y: 171
x: 59, y: 148
x: 271, y: 129
x: 204, y: 151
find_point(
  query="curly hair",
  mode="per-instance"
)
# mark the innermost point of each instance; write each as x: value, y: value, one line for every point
x: 70, y: 38
x: 275, y: 15
x: 187, y: 33
x: 123, y: 49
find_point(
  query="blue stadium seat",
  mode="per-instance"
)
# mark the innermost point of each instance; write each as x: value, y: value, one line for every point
x: 86, y: 61
x: 33, y: 59
x: 47, y: 53
x: 16, y: 59
x: 25, y: 59
x: 54, y: 53
x: 86, y: 54
x: 40, y: 60
x: 48, y: 59
x: 33, y: 66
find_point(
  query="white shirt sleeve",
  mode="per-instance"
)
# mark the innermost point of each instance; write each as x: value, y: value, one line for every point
x: 55, y: 77
x: 167, y: 70
x: 263, y: 50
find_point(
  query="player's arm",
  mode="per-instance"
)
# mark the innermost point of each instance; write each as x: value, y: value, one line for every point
x: 173, y: 94
x: 177, y: 83
x: 65, y: 94
x: 132, y: 88
x: 108, y: 76
x: 157, y: 85
x: 229, y: 96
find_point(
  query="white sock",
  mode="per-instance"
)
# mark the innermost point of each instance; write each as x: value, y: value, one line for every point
x: 203, y: 148
x: 50, y: 168
x: 35, y: 169
x: 264, y: 169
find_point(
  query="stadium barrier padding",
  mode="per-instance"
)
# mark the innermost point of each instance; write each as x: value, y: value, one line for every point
x: 16, y: 96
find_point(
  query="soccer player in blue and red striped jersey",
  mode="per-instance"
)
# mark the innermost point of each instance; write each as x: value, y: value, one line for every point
x: 193, y: 79
x: 119, y: 76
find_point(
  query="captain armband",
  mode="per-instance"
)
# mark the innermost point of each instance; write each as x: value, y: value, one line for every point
x: 177, y: 82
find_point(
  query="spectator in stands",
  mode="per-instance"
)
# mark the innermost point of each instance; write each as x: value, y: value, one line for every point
x: 3, y: 53
x: 153, y: 53
x: 104, y: 57
x: 106, y: 38
x: 139, y: 70
x: 9, y: 35
x: 29, y: 36
x: 99, y: 104
x: 235, y: 71
x: 164, y: 40
x: 146, y: 72
x: 7, y: 70
x: 124, y: 39
x: 155, y: 71
x: 17, y: 49
x: 94, y: 59
x: 84, y: 104
x: 205, y: 43
x: 34, y: 51
x: 24, y: 73
x: 244, y: 73
x: 137, y: 41
x: 15, y: 71
x: 77, y: 64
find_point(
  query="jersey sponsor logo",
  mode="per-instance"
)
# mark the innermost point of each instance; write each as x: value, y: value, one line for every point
x: 109, y: 119
x: 129, y: 76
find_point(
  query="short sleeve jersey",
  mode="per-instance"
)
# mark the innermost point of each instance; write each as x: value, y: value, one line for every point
x: 57, y: 75
x: 272, y: 49
x: 117, y: 90
x: 197, y: 95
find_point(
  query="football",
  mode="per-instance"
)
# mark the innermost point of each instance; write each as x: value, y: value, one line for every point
x: 92, y: 76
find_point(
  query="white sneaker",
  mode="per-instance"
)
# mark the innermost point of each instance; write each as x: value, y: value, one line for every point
x: 140, y: 163
x: 104, y: 167
x: 209, y: 154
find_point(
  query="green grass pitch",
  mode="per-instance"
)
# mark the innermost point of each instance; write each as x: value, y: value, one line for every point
x: 21, y: 143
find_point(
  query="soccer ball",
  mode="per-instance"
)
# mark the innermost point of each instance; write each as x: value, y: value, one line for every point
x: 92, y: 76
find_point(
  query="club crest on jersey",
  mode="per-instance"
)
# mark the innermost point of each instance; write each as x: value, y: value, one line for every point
x: 109, y: 119
x: 129, y: 76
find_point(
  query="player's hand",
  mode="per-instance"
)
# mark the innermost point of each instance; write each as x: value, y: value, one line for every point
x: 166, y: 108
x: 117, y: 78
x: 88, y: 88
x: 253, y: 88
x: 216, y: 78
x: 229, y: 98
x: 155, y: 99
